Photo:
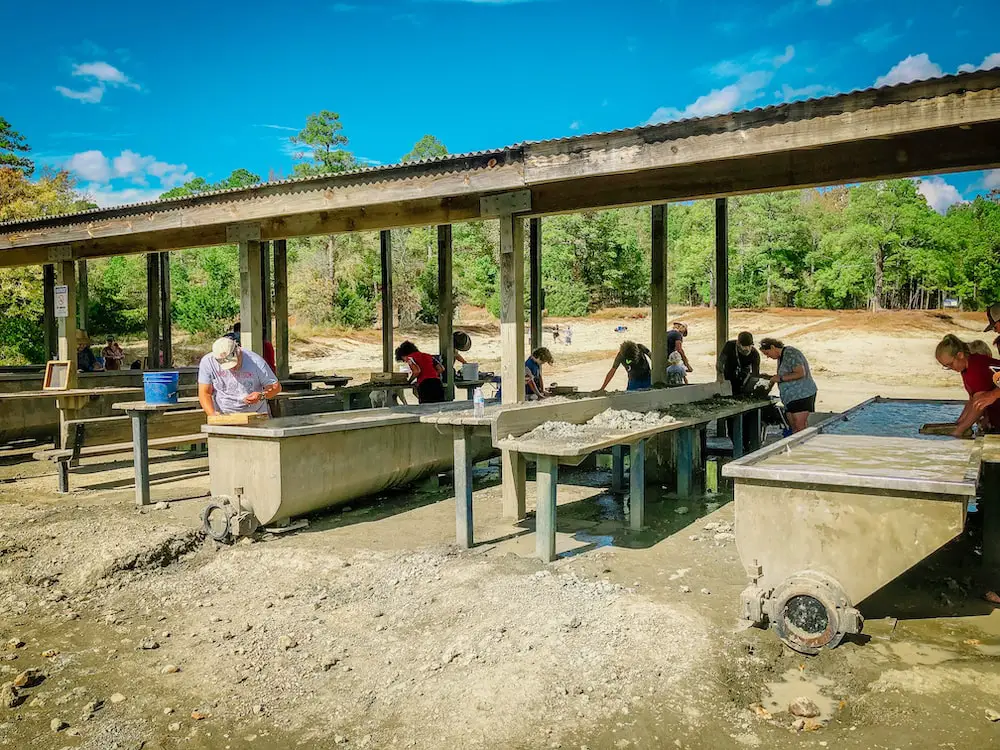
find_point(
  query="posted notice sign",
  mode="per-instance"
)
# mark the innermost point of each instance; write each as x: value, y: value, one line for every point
x: 62, y: 301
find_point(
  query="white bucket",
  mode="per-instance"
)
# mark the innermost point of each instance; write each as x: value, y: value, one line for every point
x: 470, y: 371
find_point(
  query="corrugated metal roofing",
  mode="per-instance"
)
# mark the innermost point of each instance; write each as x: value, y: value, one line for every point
x: 389, y: 169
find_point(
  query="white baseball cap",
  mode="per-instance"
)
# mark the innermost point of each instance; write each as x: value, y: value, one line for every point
x: 226, y: 353
x: 992, y: 315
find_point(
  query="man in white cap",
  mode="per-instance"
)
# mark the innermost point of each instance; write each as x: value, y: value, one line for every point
x: 233, y: 380
x: 993, y: 316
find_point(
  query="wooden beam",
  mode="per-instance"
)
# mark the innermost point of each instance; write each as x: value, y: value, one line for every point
x: 658, y: 292
x: 535, y: 268
x: 48, y: 315
x: 251, y: 296
x: 166, y: 309
x: 721, y: 276
x: 66, y: 276
x: 281, y: 308
x: 446, y: 308
x: 265, y: 276
x: 153, y: 310
x: 385, y: 257
x: 512, y: 352
x: 83, y: 296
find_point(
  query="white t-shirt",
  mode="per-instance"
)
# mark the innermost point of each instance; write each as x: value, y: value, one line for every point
x: 232, y: 386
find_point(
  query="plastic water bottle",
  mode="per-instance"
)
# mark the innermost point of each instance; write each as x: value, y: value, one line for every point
x: 478, y: 402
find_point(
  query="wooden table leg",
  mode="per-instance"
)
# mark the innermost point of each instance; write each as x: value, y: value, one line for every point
x: 991, y: 524
x: 617, y: 468
x: 755, y: 429
x: 736, y: 431
x: 463, y: 488
x: 685, y: 461
x: 637, y: 485
x: 140, y: 451
x: 546, y: 479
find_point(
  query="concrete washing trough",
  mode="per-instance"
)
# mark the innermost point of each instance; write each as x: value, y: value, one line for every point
x: 828, y: 516
x: 285, y: 468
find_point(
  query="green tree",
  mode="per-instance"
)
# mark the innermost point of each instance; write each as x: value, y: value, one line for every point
x: 428, y: 147
x: 322, y: 140
x: 12, y: 144
x: 237, y: 178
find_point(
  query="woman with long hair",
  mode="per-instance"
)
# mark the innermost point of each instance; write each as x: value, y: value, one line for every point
x: 984, y: 398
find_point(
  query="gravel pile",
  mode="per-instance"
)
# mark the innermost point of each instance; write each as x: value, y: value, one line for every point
x: 606, y: 424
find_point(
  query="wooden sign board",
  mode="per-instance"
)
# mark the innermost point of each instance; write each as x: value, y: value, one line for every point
x: 242, y: 419
x: 56, y: 375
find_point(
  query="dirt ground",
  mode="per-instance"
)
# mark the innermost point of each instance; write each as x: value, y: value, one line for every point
x: 370, y: 629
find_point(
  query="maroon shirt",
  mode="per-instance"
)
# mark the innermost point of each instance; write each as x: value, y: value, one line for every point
x: 978, y: 377
x: 426, y: 364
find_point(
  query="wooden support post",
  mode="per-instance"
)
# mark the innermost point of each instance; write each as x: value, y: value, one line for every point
x: 49, y: 316
x: 736, y: 431
x: 618, y: 468
x: 535, y: 272
x: 991, y: 523
x: 140, y: 455
x: 385, y: 239
x: 685, y: 461
x: 446, y: 308
x: 755, y: 427
x: 463, y: 488
x: 512, y: 352
x: 637, y: 485
x: 546, y: 481
x: 265, y: 280
x: 251, y: 296
x: 281, y: 308
x: 721, y: 276
x: 66, y: 276
x: 152, y: 311
x: 658, y: 293
x: 83, y: 296
x: 166, y: 339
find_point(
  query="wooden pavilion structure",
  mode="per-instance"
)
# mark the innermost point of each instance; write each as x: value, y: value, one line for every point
x: 941, y: 125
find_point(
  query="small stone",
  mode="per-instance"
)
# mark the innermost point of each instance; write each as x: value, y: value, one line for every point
x: 148, y: 644
x: 92, y: 708
x: 449, y: 655
x: 199, y: 715
x: 74, y: 732
x: 803, y: 707
x: 798, y: 725
x: 575, y: 623
x: 685, y: 589
x: 27, y: 678
x: 710, y: 526
x: 339, y: 739
x: 117, y: 698
x: 174, y: 727
x: 286, y: 642
x: 694, y: 538
x: 724, y: 536
x: 992, y: 715
x: 57, y: 725
x: 681, y: 510
x: 14, y: 643
x: 258, y: 709
x: 329, y: 663
x: 161, y: 506
x: 167, y: 711
x: 49, y: 653
x: 170, y: 669
x: 8, y: 695
x: 706, y: 592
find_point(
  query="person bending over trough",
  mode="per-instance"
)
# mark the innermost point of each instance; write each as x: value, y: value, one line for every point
x: 794, y: 380
x: 635, y: 359
x: 984, y: 398
x: 425, y: 372
x: 534, y: 386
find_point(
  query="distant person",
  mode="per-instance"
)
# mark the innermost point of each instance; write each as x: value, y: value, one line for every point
x: 676, y: 371
x: 113, y: 355
x: 425, y: 373
x: 794, y: 380
x: 86, y: 361
x: 635, y: 359
x: 555, y: 334
x: 738, y: 361
x: 568, y: 335
x: 534, y: 385
x: 675, y: 343
x: 993, y: 317
x: 234, y: 380
x: 268, y: 354
x: 984, y: 398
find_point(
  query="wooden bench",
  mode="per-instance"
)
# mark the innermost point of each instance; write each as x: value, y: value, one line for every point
x: 108, y: 436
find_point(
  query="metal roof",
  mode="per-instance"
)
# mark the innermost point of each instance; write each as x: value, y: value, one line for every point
x: 870, y: 97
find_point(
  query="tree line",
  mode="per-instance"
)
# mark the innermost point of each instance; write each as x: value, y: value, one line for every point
x: 876, y: 245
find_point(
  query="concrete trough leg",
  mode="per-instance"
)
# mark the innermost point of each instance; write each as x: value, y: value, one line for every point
x: 463, y: 489
x: 685, y: 462
x: 637, y: 486
x: 618, y: 468
x: 546, y: 480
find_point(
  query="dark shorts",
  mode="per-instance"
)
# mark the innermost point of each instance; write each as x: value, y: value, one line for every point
x: 640, y: 384
x: 801, y: 405
x: 430, y: 391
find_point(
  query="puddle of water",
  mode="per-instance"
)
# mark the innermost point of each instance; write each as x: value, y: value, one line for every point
x: 988, y: 649
x: 922, y: 654
x: 794, y: 684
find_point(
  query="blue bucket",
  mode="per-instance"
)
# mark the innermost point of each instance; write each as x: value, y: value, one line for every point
x: 160, y: 387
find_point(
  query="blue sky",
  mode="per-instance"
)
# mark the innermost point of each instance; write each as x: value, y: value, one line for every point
x: 135, y: 98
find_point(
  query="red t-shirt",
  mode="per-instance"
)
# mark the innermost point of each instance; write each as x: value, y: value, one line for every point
x: 269, y: 355
x: 425, y: 362
x: 978, y: 377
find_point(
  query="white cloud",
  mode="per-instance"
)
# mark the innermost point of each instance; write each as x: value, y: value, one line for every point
x: 913, y: 68
x: 107, y: 195
x: 788, y: 93
x: 939, y: 193
x: 988, y: 63
x: 785, y: 58
x: 824, y: 3
x: 748, y: 88
x: 575, y: 125
x: 90, y: 165
x: 91, y: 96
x: 991, y: 180
x: 103, y: 74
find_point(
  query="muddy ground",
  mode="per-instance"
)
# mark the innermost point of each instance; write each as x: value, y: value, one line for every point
x: 369, y: 629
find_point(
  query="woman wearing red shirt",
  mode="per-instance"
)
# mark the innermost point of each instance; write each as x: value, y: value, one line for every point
x: 984, y: 399
x: 425, y: 371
